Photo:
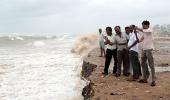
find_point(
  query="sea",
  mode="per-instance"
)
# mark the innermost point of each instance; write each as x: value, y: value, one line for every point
x: 39, y: 67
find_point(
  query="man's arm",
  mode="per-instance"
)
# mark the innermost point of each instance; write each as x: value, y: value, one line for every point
x: 136, y: 36
x: 142, y: 38
x: 133, y: 44
x: 139, y: 29
x: 108, y: 42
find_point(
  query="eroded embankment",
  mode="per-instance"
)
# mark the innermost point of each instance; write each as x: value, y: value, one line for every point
x: 87, y: 70
x: 82, y: 46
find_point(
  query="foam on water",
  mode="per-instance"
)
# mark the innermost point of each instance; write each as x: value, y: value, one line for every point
x: 38, y: 43
x: 19, y: 38
x: 47, y: 72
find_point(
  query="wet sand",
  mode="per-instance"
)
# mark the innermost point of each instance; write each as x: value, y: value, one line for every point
x: 112, y: 88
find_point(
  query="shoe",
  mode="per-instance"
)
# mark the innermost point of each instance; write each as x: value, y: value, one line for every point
x: 153, y: 83
x: 126, y: 74
x: 136, y: 77
x: 114, y: 72
x: 117, y: 75
x: 105, y: 73
x: 143, y: 81
x: 132, y: 79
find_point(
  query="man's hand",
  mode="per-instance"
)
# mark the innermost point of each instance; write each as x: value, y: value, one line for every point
x: 110, y: 43
x: 106, y: 40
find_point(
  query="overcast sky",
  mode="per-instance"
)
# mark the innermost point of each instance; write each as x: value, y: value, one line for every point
x: 78, y: 16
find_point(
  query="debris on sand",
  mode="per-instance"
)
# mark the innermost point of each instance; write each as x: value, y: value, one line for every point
x: 147, y: 91
x: 117, y: 93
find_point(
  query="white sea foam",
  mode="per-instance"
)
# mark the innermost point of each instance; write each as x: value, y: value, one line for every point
x: 19, y: 38
x: 38, y: 43
x: 46, y: 73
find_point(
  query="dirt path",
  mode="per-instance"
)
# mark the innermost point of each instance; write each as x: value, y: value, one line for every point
x: 122, y: 89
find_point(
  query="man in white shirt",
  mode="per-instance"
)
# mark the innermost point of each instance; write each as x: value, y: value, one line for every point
x: 101, y: 43
x: 111, y: 51
x: 147, y: 56
x: 133, y: 48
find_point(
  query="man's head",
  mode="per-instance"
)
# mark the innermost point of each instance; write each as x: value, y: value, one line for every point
x: 132, y: 27
x: 100, y: 30
x: 109, y: 31
x: 117, y: 29
x: 145, y: 24
x: 127, y: 29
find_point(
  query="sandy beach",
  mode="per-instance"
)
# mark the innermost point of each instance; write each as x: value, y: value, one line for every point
x: 112, y: 88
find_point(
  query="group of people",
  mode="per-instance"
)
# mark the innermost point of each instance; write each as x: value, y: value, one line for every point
x: 124, y: 47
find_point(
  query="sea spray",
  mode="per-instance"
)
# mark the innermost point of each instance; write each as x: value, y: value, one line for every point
x: 84, y: 44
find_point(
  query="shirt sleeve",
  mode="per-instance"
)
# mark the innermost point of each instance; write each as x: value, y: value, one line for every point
x: 148, y: 30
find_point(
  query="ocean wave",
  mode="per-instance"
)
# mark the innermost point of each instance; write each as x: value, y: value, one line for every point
x: 29, y: 39
x: 46, y: 69
x: 85, y: 44
x: 19, y: 38
x: 36, y: 44
x: 16, y: 38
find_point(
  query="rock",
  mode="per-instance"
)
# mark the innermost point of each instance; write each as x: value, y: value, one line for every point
x: 87, y: 69
x: 88, y: 91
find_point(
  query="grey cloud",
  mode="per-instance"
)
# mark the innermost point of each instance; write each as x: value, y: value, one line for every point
x: 77, y: 16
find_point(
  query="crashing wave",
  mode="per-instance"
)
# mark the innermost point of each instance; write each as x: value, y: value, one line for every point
x: 85, y: 44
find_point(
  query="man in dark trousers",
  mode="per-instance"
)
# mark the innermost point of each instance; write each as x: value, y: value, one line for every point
x: 134, y: 37
x: 111, y: 51
x: 122, y: 52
